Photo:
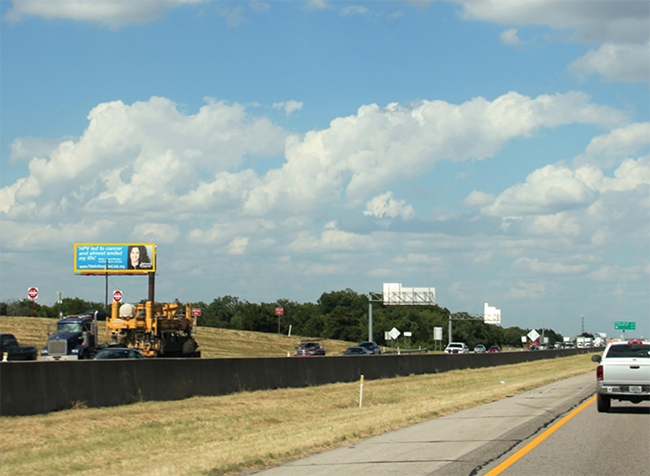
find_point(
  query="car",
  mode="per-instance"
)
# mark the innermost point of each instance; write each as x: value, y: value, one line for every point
x: 356, y: 350
x: 457, y: 348
x: 371, y: 346
x: 118, y: 353
x: 494, y: 349
x: 533, y: 347
x: 623, y: 373
x: 309, y: 349
x: 479, y: 349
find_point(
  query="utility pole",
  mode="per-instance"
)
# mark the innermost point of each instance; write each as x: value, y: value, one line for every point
x: 583, y: 323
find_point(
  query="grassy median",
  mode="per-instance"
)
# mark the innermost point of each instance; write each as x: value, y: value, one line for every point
x: 210, y: 436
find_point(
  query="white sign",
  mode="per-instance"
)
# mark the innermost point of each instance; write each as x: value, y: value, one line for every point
x: 523, y: 339
x: 533, y: 335
x: 437, y: 333
x: 394, y: 333
x: 407, y: 334
x: 491, y: 315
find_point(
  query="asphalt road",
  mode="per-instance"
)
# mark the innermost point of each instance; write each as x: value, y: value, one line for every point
x: 475, y: 441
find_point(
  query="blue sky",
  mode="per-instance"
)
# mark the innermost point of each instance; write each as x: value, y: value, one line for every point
x: 496, y: 150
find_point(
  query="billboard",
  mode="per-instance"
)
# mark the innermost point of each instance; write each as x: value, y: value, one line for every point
x: 114, y: 258
x: 397, y: 295
x: 491, y: 315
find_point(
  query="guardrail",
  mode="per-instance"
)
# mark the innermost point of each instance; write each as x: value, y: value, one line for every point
x: 30, y: 388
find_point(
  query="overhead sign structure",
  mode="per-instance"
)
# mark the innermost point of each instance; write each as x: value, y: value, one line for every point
x: 625, y: 325
x: 396, y: 295
x: 117, y: 295
x: 32, y: 293
x: 114, y: 258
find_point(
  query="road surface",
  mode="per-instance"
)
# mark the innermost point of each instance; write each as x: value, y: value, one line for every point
x: 575, y: 440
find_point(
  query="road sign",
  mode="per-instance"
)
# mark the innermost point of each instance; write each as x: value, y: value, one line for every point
x: 279, y: 311
x: 117, y: 295
x: 32, y: 293
x: 625, y: 325
x: 533, y: 335
x: 196, y: 312
x: 394, y: 333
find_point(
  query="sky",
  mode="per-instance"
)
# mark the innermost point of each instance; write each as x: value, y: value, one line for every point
x: 495, y: 150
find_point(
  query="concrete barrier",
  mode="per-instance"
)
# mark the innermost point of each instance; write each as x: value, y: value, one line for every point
x: 29, y: 388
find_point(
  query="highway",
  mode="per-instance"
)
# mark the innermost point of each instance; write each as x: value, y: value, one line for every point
x: 553, y: 430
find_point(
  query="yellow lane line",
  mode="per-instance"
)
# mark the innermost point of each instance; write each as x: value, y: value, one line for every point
x: 530, y: 446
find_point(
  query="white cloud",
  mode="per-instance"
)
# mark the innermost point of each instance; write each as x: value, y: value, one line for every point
x: 550, y: 267
x: 289, y: 107
x: 607, y: 150
x: 615, y: 62
x: 234, y: 16
x: 259, y: 7
x: 111, y: 13
x: 509, y: 37
x: 316, y: 5
x: 551, y: 189
x: 385, y: 205
x: 353, y: 9
x: 621, y: 27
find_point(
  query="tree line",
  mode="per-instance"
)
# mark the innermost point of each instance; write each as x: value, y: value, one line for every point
x: 341, y: 315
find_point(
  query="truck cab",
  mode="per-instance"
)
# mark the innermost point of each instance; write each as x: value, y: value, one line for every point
x: 75, y: 338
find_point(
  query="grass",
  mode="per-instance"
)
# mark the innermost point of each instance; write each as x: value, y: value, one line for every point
x: 212, y: 342
x: 213, y: 436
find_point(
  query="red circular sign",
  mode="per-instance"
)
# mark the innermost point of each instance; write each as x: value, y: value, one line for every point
x: 32, y: 293
x: 117, y: 295
x: 196, y: 312
x: 279, y: 311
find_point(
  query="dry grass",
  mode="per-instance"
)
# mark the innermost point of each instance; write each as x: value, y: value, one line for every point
x: 212, y: 342
x: 212, y: 436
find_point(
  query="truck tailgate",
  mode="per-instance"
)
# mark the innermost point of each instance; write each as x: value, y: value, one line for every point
x: 630, y: 371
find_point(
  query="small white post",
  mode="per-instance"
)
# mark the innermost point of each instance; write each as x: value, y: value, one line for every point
x: 361, y: 393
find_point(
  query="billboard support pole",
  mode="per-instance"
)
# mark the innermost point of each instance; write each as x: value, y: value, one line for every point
x: 106, y: 293
x: 152, y: 284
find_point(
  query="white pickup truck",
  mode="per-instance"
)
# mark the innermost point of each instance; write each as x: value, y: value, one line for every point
x: 623, y: 373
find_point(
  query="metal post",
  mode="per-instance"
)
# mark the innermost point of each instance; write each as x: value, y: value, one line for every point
x: 106, y: 293
x: 152, y: 286
x: 449, y: 330
x: 370, y: 317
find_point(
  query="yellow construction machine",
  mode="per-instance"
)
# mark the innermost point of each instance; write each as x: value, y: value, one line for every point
x: 156, y: 329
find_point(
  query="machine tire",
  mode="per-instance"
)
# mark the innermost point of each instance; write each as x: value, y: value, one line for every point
x: 603, y: 403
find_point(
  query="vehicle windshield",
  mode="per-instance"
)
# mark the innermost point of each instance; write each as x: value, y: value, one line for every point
x: 69, y: 327
x: 308, y: 345
x: 629, y: 350
x: 113, y: 354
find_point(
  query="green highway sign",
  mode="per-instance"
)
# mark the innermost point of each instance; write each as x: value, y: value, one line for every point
x: 624, y: 325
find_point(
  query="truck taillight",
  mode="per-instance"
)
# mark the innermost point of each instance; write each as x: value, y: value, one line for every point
x: 599, y: 372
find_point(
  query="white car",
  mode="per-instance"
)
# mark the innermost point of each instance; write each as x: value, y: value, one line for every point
x: 457, y: 348
x: 623, y: 373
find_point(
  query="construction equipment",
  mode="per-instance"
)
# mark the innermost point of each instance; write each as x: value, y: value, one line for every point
x: 156, y: 329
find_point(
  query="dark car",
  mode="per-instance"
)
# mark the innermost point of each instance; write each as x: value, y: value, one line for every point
x: 494, y: 349
x: 9, y: 345
x: 309, y: 349
x: 371, y: 346
x: 119, y: 353
x: 357, y: 351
